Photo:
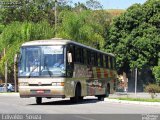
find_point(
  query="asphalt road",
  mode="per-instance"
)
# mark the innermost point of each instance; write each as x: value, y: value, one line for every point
x: 90, y: 105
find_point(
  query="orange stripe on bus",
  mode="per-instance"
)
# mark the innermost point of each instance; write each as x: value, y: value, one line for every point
x: 98, y: 72
x: 105, y: 73
x: 111, y: 73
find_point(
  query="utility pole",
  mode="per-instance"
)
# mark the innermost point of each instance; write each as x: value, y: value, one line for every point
x: 15, y: 72
x: 6, y: 75
x: 136, y: 81
x: 6, y: 69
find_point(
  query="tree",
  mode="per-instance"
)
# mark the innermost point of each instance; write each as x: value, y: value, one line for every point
x: 93, y: 4
x: 134, y: 36
x: 30, y: 10
x: 79, y: 7
x: 86, y: 27
x: 16, y: 33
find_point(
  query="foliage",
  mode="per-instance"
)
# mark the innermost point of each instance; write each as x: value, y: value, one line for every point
x: 23, y: 22
x: 115, y: 12
x: 156, y: 72
x: 134, y: 36
x: 86, y: 27
x: 41, y: 30
x: 1, y: 28
x: 93, y: 4
x: 30, y: 10
x: 152, y: 89
x: 79, y: 7
x: 16, y: 33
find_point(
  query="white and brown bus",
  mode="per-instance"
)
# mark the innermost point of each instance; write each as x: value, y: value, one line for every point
x: 84, y: 71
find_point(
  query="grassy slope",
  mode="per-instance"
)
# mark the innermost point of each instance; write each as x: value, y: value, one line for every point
x: 115, y: 12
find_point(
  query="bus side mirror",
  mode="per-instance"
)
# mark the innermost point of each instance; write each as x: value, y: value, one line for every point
x: 69, y: 55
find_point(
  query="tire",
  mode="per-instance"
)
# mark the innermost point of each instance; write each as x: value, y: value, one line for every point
x: 77, y: 96
x: 81, y: 98
x: 101, y: 97
x: 107, y: 92
x: 39, y: 100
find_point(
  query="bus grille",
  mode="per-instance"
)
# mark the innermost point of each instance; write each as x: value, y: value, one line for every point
x: 40, y: 85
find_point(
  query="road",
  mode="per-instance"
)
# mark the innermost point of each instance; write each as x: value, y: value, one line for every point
x: 90, y: 105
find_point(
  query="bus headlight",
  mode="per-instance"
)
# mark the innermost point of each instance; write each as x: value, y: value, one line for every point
x: 54, y: 84
x: 58, y: 84
x: 23, y: 84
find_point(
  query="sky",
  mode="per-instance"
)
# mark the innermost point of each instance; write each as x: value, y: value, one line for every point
x: 115, y: 4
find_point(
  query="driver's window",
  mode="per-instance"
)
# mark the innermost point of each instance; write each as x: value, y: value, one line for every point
x: 70, y: 65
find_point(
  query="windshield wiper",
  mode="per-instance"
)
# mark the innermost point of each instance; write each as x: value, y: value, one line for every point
x: 32, y: 71
x: 49, y: 72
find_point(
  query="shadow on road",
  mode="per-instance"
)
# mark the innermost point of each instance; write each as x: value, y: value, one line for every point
x: 68, y: 102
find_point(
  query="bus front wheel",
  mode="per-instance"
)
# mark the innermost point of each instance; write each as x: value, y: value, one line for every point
x: 77, y: 96
x: 38, y: 100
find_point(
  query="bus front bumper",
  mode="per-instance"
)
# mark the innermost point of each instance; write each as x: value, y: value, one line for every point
x: 46, y: 92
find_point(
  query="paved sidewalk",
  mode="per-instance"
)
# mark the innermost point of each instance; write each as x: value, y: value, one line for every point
x: 131, y: 102
x: 132, y: 95
x: 9, y: 94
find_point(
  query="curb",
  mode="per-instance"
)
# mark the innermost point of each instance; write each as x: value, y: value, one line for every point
x: 131, y: 102
x: 9, y: 94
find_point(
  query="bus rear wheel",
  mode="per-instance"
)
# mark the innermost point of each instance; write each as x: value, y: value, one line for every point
x: 101, y: 97
x: 39, y: 100
x: 107, y: 92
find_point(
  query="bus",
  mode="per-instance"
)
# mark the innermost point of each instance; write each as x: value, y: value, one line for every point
x: 84, y: 71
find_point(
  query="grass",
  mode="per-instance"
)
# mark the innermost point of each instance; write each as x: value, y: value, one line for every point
x: 139, y: 99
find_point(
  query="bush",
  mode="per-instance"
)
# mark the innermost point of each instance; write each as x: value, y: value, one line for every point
x: 152, y: 89
x: 156, y: 72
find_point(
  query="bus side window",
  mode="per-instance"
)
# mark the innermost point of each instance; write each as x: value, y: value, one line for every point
x: 114, y: 63
x: 92, y: 58
x: 88, y: 57
x: 111, y: 63
x: 107, y: 62
x: 70, y: 66
x: 85, y: 56
x: 81, y: 56
x: 95, y: 60
x: 77, y: 54
x: 104, y: 61
x: 71, y: 50
x: 101, y: 60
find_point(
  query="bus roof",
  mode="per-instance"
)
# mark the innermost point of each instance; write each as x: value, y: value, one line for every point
x: 60, y: 41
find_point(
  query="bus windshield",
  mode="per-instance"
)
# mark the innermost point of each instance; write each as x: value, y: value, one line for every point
x: 39, y: 61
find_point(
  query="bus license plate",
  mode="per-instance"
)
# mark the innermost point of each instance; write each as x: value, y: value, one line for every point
x: 40, y: 91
